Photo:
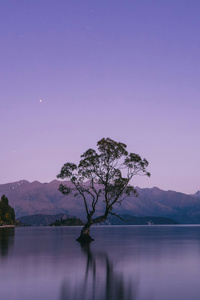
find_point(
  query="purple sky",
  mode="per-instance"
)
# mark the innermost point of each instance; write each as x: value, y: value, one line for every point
x: 74, y: 71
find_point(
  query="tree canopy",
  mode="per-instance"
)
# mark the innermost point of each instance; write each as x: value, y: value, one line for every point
x: 102, y: 174
x: 7, y: 213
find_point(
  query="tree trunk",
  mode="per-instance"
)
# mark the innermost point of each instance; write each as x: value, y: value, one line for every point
x: 85, y: 234
x: 85, y: 237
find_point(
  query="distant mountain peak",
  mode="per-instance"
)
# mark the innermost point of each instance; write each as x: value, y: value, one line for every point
x: 14, y: 185
x: 155, y: 188
x: 197, y: 194
x: 19, y: 182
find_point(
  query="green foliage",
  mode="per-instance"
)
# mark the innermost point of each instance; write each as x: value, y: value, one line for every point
x: 105, y: 173
x: 7, y: 213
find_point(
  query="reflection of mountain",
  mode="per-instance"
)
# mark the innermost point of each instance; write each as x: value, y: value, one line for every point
x: 7, y: 236
x: 44, y: 198
x: 100, y: 282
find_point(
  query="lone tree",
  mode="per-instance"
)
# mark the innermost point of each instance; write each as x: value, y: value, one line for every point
x: 102, y: 175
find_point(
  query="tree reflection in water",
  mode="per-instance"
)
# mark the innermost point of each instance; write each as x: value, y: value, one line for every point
x: 7, y: 236
x: 100, y: 281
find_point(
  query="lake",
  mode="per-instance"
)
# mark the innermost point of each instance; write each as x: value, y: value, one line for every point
x: 123, y: 263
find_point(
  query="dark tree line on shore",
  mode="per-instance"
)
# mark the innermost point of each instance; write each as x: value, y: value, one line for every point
x: 7, y: 213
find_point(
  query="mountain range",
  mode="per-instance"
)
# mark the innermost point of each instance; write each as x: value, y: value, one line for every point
x: 32, y: 198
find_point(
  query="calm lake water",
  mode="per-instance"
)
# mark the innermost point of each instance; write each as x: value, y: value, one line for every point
x: 124, y: 262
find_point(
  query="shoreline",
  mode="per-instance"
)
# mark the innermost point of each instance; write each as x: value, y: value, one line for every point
x: 7, y: 226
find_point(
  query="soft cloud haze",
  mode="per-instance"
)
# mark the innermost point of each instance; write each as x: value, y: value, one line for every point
x: 128, y: 70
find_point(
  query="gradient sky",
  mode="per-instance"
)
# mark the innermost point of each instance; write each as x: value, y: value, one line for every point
x: 75, y: 71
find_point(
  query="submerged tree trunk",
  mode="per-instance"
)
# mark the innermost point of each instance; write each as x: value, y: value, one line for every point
x: 85, y: 234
